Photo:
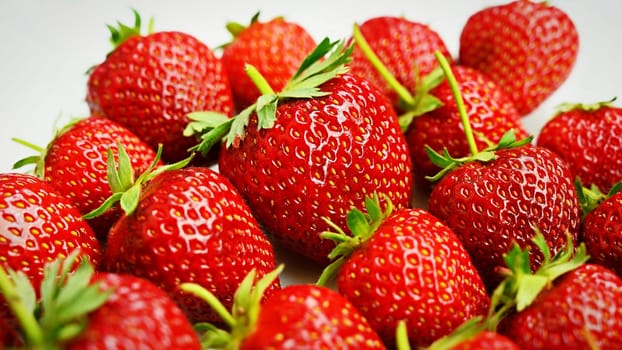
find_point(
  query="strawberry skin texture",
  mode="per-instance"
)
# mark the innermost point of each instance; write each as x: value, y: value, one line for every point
x: 276, y: 48
x: 490, y: 113
x: 310, y: 317
x: 491, y: 205
x: 601, y: 230
x: 75, y: 164
x: 137, y: 315
x: 487, y: 340
x: 149, y: 83
x: 322, y: 157
x: 414, y: 268
x: 190, y: 226
x: 405, y: 47
x: 529, y: 48
x: 591, y: 143
x: 584, y: 303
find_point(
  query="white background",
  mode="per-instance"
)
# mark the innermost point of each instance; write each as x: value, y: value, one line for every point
x: 47, y: 46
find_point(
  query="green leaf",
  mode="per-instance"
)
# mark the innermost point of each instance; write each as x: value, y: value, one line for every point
x: 320, y: 51
x: 126, y: 171
x: 238, y: 125
x: 114, y: 178
x: 357, y: 222
x: 529, y: 288
x: 24, y: 289
x: 266, y: 111
x: 201, y: 122
x: 130, y: 198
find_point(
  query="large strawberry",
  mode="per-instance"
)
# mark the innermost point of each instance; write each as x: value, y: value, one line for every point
x: 406, y: 265
x: 148, y: 84
x: 75, y: 163
x: 303, y: 316
x: 83, y: 310
x: 315, y: 150
x: 404, y: 47
x: 275, y: 47
x: 190, y: 225
x: 37, y: 225
x: 497, y: 196
x: 527, y: 47
x: 589, y: 138
x: 565, y: 304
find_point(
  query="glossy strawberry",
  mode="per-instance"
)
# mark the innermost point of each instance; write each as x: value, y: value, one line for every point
x: 303, y: 316
x: 190, y: 225
x: 527, y: 47
x: 148, y: 84
x: 406, y: 265
x: 588, y: 137
x: 405, y: 47
x: 37, y: 225
x: 275, y: 47
x: 491, y: 114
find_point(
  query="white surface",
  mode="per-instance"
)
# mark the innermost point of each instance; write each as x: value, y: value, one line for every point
x: 47, y: 46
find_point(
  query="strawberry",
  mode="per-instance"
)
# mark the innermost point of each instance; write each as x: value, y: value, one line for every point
x: 406, y: 49
x: 37, y: 226
x: 496, y: 197
x: 148, y: 84
x: 405, y: 265
x: 491, y: 115
x: 189, y: 225
x: 527, y: 47
x: 565, y: 304
x: 83, y: 310
x: 74, y: 162
x: 315, y: 151
x: 473, y: 335
x: 587, y: 136
x: 275, y: 47
x: 303, y: 316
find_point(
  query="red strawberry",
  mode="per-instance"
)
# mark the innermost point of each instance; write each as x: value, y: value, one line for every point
x: 406, y: 48
x: 588, y: 137
x: 275, y: 47
x: 527, y: 47
x: 406, y: 265
x: 148, y: 84
x: 85, y: 311
x: 75, y: 163
x: 37, y: 225
x: 190, y: 225
x: 565, y: 304
x: 303, y: 316
x: 491, y: 115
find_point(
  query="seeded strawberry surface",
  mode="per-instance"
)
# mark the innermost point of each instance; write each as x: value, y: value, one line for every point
x: 601, y: 231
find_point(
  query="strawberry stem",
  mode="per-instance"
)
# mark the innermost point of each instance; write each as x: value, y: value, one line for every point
x: 258, y: 79
x: 212, y: 300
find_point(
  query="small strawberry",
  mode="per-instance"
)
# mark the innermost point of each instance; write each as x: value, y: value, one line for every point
x: 148, y: 84
x: 37, y: 225
x: 314, y: 150
x: 83, y: 310
x: 589, y: 138
x: 303, y: 316
x: 189, y: 225
x: 404, y: 47
x: 496, y: 197
x: 565, y: 304
x: 405, y: 265
x: 75, y: 163
x: 276, y: 48
x: 527, y: 47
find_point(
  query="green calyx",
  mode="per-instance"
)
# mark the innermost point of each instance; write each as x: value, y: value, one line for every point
x: 236, y: 28
x: 362, y: 227
x: 125, y: 188
x: 521, y: 286
x: 414, y: 105
x: 242, y: 320
x: 67, y: 297
x: 590, y: 198
x: 122, y: 32
x: 448, y: 163
x: 326, y: 62
x: 587, y: 107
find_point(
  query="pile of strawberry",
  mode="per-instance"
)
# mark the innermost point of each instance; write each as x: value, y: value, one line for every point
x: 154, y: 222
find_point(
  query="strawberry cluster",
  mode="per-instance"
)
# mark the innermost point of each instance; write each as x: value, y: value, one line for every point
x: 156, y: 221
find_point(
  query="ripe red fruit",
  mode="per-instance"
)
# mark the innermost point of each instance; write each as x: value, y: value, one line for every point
x: 527, y: 47
x: 276, y: 48
x: 148, y: 84
x: 190, y: 225
x: 406, y: 265
x: 589, y: 138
